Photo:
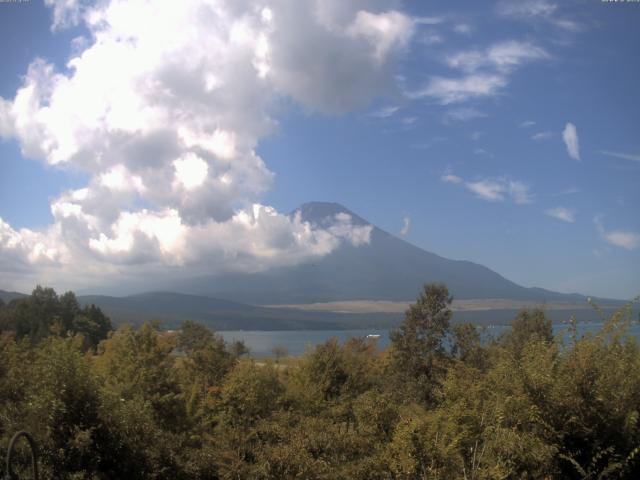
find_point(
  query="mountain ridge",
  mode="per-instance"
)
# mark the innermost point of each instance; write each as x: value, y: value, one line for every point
x: 388, y: 268
x: 309, y: 212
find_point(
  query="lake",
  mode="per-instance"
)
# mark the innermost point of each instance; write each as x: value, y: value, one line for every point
x: 296, y: 342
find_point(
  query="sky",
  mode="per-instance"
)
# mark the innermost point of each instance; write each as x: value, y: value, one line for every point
x: 174, y: 138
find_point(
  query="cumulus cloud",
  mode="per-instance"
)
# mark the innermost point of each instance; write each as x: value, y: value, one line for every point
x: 64, y: 13
x: 485, y: 72
x: 341, y: 226
x: 618, y: 238
x: 168, y: 114
x: 570, y: 138
x: 494, y: 189
x: 562, y: 213
x: 406, y: 225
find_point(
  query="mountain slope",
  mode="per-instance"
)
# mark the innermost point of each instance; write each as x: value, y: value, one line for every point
x: 388, y: 268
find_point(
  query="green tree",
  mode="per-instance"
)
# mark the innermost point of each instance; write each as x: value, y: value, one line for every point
x: 52, y: 394
x: 139, y: 365
x: 418, y: 352
x: 206, y: 362
x: 467, y: 345
x: 93, y: 324
x: 249, y: 395
x: 44, y: 313
x: 326, y: 370
x: 526, y: 326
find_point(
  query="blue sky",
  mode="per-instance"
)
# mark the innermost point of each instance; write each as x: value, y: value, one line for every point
x: 501, y: 133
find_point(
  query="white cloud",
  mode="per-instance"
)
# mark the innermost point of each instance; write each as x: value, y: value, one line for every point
x: 628, y: 240
x: 541, y: 136
x: 503, y: 57
x: 618, y: 238
x: 526, y: 8
x: 463, y: 28
x: 406, y: 226
x: 567, y: 24
x: 562, y: 213
x: 450, y: 178
x: 624, y: 156
x: 537, y: 11
x: 463, y: 114
x: 168, y: 114
x: 428, y: 20
x: 191, y: 170
x: 341, y: 226
x: 456, y: 90
x: 384, y: 112
x: 519, y: 192
x: 64, y: 13
x: 487, y: 190
x: 527, y: 124
x: 570, y: 138
x: 482, y: 152
x: 494, y: 189
x: 485, y: 72
x: 430, y: 38
x: 385, y: 31
x: 567, y: 191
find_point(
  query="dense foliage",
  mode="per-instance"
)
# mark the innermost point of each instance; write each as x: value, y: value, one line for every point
x: 441, y: 402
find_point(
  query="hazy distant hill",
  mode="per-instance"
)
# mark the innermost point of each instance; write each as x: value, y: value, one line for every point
x: 8, y: 296
x: 173, y: 308
x: 388, y: 268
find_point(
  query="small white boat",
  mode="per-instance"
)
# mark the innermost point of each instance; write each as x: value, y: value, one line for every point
x: 373, y: 335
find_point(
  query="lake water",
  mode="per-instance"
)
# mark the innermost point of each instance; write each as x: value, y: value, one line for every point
x: 296, y: 342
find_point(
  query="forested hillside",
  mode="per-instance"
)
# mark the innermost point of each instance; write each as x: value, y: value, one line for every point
x: 442, y: 402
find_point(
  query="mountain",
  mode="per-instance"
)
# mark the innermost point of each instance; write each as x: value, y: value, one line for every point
x: 6, y: 296
x: 388, y: 268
